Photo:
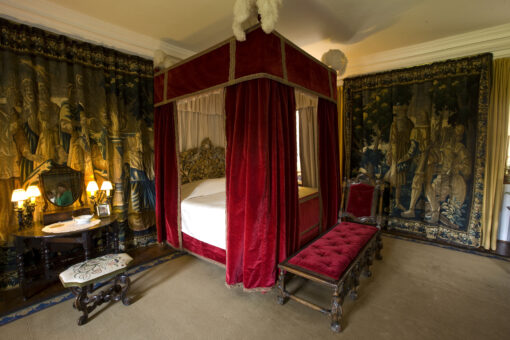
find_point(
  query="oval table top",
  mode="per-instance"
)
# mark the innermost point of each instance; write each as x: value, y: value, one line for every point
x: 36, y: 230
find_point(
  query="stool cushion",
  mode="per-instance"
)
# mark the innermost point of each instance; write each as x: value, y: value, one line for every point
x: 331, y: 254
x: 93, y: 270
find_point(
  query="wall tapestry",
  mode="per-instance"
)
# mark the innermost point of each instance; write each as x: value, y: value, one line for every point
x: 423, y: 130
x: 75, y: 103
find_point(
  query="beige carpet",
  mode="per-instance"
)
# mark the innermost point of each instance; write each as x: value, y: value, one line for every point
x: 417, y: 292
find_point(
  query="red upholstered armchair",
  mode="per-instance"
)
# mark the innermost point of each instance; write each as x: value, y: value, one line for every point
x: 362, y: 200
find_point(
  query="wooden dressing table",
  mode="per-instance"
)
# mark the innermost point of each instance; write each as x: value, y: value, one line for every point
x: 34, y: 237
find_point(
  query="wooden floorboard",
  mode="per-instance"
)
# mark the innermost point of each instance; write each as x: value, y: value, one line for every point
x: 12, y: 300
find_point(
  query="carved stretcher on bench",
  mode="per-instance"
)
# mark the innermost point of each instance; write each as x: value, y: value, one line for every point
x: 346, y: 282
x: 81, y: 277
x: 337, y: 258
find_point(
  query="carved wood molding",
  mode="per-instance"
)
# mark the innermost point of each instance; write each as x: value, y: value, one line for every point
x: 205, y: 161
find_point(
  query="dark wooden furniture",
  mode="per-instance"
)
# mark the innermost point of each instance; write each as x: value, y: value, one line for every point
x: 362, y: 199
x: 81, y: 277
x: 337, y: 258
x: 347, y: 281
x: 36, y: 238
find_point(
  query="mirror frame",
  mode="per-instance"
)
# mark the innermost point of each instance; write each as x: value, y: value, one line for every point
x: 61, y: 170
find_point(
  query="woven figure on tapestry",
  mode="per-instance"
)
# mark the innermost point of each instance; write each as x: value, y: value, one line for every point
x: 423, y: 130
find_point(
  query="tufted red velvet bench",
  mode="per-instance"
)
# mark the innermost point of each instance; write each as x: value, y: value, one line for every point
x: 336, y: 260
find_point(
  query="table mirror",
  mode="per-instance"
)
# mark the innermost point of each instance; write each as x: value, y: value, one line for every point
x: 61, y: 186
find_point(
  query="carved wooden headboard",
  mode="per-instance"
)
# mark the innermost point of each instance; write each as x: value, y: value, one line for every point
x: 206, y: 161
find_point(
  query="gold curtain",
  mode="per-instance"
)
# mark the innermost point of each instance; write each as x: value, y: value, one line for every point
x: 497, y: 134
x: 340, y: 104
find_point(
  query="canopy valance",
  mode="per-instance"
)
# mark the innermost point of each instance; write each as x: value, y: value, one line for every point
x: 230, y: 62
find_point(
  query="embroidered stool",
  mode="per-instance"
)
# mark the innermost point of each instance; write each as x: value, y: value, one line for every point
x: 81, y: 277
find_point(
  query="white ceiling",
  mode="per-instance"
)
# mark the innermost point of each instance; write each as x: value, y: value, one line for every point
x: 357, y: 27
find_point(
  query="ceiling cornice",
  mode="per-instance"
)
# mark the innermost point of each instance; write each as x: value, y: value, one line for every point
x: 61, y: 20
x: 494, y: 39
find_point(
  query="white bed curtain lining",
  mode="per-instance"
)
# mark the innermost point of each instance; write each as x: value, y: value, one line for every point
x: 201, y: 116
x: 306, y: 105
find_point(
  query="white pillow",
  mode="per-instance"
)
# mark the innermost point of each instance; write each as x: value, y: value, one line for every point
x: 202, y: 188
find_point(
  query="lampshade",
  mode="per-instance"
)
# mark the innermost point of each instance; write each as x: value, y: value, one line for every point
x: 107, y: 185
x: 92, y: 186
x: 33, y: 191
x: 18, y: 195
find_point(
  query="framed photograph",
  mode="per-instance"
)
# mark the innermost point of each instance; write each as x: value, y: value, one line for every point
x: 103, y: 210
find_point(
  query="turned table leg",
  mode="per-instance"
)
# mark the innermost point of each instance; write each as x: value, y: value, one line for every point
x: 87, y: 244
x: 116, y: 237
x: 21, y: 265
x: 46, y: 258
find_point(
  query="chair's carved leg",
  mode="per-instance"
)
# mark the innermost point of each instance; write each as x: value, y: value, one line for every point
x: 281, y: 298
x: 336, y: 309
x: 378, y: 247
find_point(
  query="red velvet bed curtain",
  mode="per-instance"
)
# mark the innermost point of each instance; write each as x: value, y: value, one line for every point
x: 165, y: 167
x: 262, y: 197
x: 329, y: 169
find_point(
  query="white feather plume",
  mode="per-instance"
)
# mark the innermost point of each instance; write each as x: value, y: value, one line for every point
x: 159, y: 56
x: 162, y: 60
x: 268, y: 10
x: 246, y: 9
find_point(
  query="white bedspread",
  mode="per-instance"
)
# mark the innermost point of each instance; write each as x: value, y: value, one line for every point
x: 203, y: 218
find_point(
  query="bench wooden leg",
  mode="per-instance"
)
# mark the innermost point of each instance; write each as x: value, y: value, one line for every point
x: 379, y: 246
x: 368, y: 262
x: 353, y: 285
x: 124, y: 279
x: 86, y: 304
x: 80, y: 303
x: 282, y: 297
x: 336, y: 309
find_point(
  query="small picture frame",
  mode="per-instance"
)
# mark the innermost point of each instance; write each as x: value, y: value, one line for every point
x: 103, y: 209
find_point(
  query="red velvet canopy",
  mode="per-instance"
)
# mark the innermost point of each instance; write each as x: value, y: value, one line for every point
x: 260, y: 75
x: 260, y: 56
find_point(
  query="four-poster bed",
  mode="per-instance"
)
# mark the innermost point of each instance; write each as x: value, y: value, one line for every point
x: 264, y: 213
